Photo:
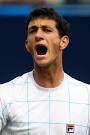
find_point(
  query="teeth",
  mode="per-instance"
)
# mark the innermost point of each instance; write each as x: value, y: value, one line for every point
x: 41, y: 49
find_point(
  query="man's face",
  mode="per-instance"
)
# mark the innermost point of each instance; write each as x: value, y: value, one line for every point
x: 43, y: 41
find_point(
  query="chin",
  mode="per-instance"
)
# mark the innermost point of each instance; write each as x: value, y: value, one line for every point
x: 43, y: 65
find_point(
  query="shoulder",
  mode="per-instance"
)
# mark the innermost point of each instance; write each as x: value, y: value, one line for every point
x: 77, y: 86
x: 74, y: 82
x: 14, y: 87
x: 78, y: 90
x: 17, y: 81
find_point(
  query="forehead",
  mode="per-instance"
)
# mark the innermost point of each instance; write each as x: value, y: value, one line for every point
x: 39, y: 22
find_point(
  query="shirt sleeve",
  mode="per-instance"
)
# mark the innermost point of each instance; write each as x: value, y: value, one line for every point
x: 3, y: 111
x: 88, y: 93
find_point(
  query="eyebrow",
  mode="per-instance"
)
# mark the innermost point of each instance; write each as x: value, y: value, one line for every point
x: 43, y: 26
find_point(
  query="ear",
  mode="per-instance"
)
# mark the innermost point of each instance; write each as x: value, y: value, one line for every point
x: 64, y: 42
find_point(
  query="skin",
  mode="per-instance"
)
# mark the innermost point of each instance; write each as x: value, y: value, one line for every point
x: 48, y: 68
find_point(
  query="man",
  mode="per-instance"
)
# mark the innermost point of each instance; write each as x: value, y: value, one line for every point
x: 45, y: 101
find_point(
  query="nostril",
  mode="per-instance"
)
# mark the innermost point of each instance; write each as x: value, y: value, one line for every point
x: 37, y: 38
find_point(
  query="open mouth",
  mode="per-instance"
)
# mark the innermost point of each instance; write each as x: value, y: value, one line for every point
x: 41, y: 49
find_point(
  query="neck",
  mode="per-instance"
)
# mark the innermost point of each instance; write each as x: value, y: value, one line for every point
x: 48, y: 77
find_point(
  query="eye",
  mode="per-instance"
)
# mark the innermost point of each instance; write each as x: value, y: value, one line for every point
x: 47, y: 30
x: 32, y: 30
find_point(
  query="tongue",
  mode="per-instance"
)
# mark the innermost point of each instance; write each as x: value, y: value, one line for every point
x: 41, y: 50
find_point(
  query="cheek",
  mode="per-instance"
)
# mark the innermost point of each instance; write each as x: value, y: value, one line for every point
x: 55, y: 46
x: 29, y: 48
x: 53, y: 52
x: 30, y: 44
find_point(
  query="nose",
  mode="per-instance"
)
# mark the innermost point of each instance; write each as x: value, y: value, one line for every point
x: 39, y: 35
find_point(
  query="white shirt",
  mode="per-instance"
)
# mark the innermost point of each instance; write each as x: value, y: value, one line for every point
x: 29, y: 109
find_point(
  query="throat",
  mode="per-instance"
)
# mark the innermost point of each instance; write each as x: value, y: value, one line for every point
x: 48, y: 80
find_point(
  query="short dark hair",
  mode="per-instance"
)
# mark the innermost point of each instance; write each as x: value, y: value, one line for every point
x: 62, y: 24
